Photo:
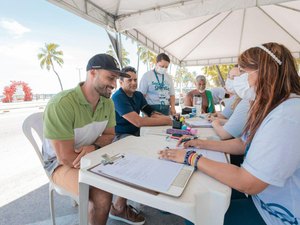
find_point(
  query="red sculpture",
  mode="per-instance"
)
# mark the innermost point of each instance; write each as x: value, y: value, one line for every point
x: 9, y: 92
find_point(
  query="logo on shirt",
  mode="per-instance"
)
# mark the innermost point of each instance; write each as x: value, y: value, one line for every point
x: 280, y: 212
x: 158, y: 86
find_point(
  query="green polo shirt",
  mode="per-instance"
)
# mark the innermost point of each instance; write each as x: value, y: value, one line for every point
x: 69, y: 116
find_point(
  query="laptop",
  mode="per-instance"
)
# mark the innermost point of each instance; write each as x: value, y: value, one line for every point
x: 119, y: 168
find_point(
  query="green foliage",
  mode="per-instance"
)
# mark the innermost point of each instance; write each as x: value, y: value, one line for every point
x: 298, y: 65
x: 125, y: 55
x: 183, y: 77
x: 48, y: 55
x: 212, y: 72
x: 146, y: 56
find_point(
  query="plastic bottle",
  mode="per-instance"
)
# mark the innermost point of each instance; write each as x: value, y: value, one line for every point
x: 197, y: 103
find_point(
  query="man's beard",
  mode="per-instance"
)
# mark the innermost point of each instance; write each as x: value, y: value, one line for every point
x: 104, y: 91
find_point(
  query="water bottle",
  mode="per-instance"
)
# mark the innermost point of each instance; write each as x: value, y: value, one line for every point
x: 197, y: 102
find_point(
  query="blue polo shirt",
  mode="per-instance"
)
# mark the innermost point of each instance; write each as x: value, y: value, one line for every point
x: 125, y: 104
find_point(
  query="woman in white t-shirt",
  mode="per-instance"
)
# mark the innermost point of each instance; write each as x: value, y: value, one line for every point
x: 270, y: 172
x: 158, y: 88
x: 231, y: 122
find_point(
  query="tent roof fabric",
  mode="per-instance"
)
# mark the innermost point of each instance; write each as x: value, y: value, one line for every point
x: 196, y: 32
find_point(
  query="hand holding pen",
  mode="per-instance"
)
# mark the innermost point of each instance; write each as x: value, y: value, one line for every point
x: 210, y: 117
x: 186, y: 139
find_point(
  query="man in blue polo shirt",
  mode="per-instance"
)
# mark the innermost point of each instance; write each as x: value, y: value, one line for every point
x: 128, y: 105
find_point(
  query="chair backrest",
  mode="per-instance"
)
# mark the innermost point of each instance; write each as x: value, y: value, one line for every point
x: 34, y: 122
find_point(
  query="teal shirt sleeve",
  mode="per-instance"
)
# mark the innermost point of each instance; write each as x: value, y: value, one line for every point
x: 211, y: 106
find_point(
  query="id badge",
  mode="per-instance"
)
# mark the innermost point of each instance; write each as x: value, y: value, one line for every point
x: 161, y: 95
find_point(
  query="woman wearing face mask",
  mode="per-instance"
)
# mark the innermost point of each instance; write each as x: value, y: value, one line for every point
x: 158, y: 88
x: 270, y: 172
x: 207, y: 99
x: 233, y: 99
x: 231, y: 122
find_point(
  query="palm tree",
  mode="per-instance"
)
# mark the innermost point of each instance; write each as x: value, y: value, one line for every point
x: 298, y: 64
x: 146, y: 56
x: 215, y: 72
x: 49, y: 55
x: 183, y: 76
x: 125, y: 55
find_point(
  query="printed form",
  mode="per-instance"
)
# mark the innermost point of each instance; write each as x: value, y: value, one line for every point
x: 150, y: 173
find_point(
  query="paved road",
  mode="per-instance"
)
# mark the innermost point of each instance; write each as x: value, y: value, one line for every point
x: 20, y: 170
x: 23, y: 183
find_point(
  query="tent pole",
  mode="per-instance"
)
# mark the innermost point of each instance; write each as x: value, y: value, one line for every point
x: 117, y: 46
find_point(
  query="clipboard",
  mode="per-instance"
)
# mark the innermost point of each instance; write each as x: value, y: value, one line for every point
x: 153, y: 176
x: 110, y: 160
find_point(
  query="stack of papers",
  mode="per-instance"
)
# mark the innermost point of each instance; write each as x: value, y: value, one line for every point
x: 198, y: 122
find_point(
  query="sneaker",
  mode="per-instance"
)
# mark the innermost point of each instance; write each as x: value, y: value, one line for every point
x: 129, y: 215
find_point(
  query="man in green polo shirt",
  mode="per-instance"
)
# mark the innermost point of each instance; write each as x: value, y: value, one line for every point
x: 79, y: 121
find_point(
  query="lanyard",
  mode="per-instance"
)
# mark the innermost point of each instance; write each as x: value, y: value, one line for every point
x: 161, y: 84
x: 247, y: 149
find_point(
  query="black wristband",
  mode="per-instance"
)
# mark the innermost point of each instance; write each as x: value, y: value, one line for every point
x: 96, y: 146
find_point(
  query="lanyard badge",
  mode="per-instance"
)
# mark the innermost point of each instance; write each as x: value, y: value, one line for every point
x: 160, y: 84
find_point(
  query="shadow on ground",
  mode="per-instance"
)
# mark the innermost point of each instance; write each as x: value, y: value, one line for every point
x: 33, y: 209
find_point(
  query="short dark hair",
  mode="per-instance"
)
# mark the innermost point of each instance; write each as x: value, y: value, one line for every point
x: 128, y: 69
x: 162, y: 56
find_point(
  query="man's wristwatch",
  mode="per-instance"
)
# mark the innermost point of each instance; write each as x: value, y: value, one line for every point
x: 96, y: 146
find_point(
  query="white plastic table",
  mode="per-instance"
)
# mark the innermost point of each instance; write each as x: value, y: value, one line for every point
x: 204, y: 200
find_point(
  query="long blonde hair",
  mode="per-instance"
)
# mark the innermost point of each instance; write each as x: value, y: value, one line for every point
x: 275, y: 82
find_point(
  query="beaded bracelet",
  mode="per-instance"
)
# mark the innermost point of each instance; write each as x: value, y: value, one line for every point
x: 186, y: 158
x: 192, y: 158
x: 196, y: 161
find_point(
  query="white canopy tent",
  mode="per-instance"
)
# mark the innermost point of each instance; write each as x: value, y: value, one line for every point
x: 196, y: 32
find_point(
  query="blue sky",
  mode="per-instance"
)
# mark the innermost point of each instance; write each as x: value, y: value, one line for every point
x: 25, y: 26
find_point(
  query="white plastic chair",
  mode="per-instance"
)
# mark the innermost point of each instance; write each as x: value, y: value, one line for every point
x: 34, y: 122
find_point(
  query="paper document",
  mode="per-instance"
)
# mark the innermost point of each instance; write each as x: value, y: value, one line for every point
x: 198, y: 122
x: 150, y: 173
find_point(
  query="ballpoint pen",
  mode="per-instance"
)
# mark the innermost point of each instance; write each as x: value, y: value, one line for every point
x: 188, y: 139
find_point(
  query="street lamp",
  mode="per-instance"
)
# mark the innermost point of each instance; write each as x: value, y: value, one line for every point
x: 79, y: 73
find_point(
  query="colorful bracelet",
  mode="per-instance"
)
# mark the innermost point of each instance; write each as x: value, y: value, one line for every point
x: 196, y: 161
x: 192, y: 158
x: 186, y: 158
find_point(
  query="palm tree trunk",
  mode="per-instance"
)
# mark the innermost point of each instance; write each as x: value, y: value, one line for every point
x: 221, y: 80
x: 61, y: 87
x: 138, y: 63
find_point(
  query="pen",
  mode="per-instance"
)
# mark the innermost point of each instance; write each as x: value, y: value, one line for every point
x: 202, y: 117
x: 188, y: 139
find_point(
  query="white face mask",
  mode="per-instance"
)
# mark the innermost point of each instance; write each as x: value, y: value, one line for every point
x: 229, y: 86
x: 160, y: 70
x: 242, y: 87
